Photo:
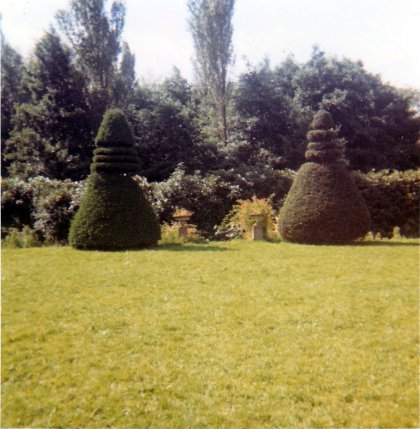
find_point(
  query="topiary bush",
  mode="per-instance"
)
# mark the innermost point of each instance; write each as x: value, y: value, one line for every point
x: 324, y: 205
x: 114, y: 213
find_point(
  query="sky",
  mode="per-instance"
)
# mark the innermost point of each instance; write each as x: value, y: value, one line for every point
x: 383, y: 34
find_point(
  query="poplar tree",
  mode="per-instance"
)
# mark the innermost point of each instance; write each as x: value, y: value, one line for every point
x: 211, y: 27
x: 95, y: 38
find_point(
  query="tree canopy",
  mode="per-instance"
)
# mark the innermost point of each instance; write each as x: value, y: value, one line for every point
x: 53, y: 101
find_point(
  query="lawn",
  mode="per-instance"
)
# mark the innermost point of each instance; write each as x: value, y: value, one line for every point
x: 223, y: 335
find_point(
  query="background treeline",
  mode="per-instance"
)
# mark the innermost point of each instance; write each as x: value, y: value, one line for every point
x: 220, y: 151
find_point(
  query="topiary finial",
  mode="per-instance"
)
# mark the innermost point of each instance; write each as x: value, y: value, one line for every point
x: 114, y: 130
x: 322, y: 137
x: 322, y: 121
x: 115, y: 152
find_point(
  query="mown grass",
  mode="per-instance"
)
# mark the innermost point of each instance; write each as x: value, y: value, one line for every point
x: 225, y: 335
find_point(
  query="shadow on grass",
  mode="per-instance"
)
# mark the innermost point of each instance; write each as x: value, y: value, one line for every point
x: 190, y: 248
x: 386, y: 243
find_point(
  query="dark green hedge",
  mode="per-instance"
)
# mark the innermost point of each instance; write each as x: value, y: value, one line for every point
x: 393, y: 199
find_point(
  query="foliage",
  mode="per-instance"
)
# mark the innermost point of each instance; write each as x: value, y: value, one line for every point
x: 323, y: 205
x: 21, y: 239
x: 274, y: 107
x: 375, y: 119
x: 12, y: 70
x: 238, y: 223
x: 292, y: 336
x: 211, y: 27
x: 45, y: 205
x: 95, y: 38
x: 170, y: 234
x: 323, y: 146
x: 125, y: 80
x: 393, y: 199
x: 51, y: 134
x: 55, y: 210
x: 114, y: 153
x: 16, y: 203
x: 208, y: 197
x: 269, y: 125
x: 114, y: 213
x: 167, y: 135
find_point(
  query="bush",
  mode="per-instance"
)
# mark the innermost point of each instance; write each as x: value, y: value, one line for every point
x: 21, y: 239
x: 55, y: 209
x: 238, y: 223
x: 114, y: 213
x: 323, y: 205
x: 46, y: 205
x: 170, y: 234
x: 393, y: 199
x: 212, y: 196
x: 208, y: 197
x: 16, y: 203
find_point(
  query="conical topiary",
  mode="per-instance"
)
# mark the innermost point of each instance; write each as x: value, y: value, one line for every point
x: 323, y: 205
x: 114, y: 213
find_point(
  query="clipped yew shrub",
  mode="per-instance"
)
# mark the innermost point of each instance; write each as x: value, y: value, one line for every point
x: 114, y: 213
x: 323, y: 205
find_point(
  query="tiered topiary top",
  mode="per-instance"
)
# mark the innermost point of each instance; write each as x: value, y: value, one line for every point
x: 115, y: 153
x: 322, y: 137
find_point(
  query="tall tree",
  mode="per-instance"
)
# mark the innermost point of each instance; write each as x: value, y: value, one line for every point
x: 376, y: 120
x: 274, y: 106
x: 125, y: 80
x: 167, y: 131
x: 12, y: 71
x: 51, y: 134
x: 211, y: 27
x: 95, y: 36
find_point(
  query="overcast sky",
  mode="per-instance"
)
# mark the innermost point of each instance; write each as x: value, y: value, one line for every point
x: 384, y: 34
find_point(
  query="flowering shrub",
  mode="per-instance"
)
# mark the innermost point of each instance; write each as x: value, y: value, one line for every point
x: 19, y: 239
x: 170, y: 234
x: 238, y: 223
x: 43, y: 204
x: 208, y: 197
